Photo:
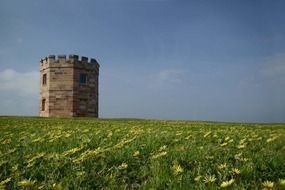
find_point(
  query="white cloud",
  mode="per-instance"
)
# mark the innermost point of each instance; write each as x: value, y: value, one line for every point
x: 21, y: 83
x: 167, y: 77
x: 171, y: 75
x: 274, y: 66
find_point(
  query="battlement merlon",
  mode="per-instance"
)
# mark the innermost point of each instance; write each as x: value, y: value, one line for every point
x: 71, y: 60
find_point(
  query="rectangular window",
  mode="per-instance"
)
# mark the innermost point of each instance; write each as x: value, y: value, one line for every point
x: 83, y: 78
x: 43, y: 104
x: 82, y: 105
x: 44, y: 79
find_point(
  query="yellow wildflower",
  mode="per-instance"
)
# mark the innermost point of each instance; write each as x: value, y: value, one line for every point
x: 31, y: 161
x: 56, y: 186
x: 282, y: 182
x: 39, y: 139
x: 227, y: 183
x: 259, y: 138
x: 236, y: 170
x: 124, y: 142
x: 207, y: 134
x: 10, y: 151
x: 2, y: 162
x: 244, y: 159
x: 271, y: 139
x: 162, y: 148
x: 87, y: 154
x: 6, y: 141
x: 222, y: 166
x: 179, y: 133
x: 177, y: 169
x: 110, y: 134
x: 268, y: 184
x: 81, y: 173
x: 136, y: 153
x: 160, y: 154
x: 5, y: 181
x: 53, y: 156
x: 188, y: 137
x: 14, y: 168
x: 39, y: 155
x: 224, y: 144
x: 26, y: 183
x: 241, y: 146
x: 209, y: 179
x: 123, y: 166
x: 237, y: 156
x: 41, y: 187
x: 198, y: 178
x: 85, y: 131
x: 242, y: 141
x: 209, y: 157
x: 71, y: 151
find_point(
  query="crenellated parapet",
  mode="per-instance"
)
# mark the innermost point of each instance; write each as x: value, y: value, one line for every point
x: 82, y: 62
x: 68, y: 86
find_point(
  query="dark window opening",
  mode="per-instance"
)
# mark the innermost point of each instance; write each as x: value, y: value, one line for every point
x: 83, y: 78
x: 43, y: 104
x: 83, y: 105
x: 44, y: 79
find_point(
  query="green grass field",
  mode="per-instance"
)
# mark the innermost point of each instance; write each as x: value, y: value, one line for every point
x: 51, y: 153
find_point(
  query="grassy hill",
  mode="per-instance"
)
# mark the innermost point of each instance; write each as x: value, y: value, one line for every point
x: 85, y: 153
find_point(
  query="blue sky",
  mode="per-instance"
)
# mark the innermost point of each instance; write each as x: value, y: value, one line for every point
x: 170, y: 59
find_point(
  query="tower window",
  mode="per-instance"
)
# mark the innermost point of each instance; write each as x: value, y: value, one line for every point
x: 43, y: 104
x: 44, y: 79
x: 83, y: 105
x: 83, y: 78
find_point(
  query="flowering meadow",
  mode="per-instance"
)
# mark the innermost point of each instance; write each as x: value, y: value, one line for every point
x: 86, y: 153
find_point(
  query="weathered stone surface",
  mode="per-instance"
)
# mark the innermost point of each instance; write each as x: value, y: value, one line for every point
x: 63, y: 94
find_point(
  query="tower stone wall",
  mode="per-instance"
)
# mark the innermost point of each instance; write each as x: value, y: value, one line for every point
x: 68, y: 86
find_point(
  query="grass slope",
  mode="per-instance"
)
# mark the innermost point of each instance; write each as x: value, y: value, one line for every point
x: 51, y: 153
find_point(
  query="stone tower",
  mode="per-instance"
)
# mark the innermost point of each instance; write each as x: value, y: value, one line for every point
x: 68, y: 86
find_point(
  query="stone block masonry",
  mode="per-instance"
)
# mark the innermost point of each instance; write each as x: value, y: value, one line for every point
x: 68, y: 86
